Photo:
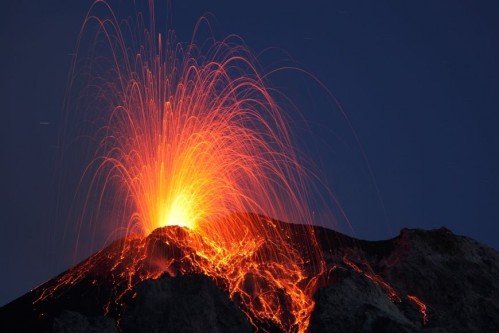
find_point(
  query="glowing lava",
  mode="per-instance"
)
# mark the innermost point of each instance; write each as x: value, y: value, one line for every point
x: 190, y: 136
x: 180, y: 213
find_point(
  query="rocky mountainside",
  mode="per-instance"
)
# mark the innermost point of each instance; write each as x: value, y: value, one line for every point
x: 452, y: 281
x: 419, y: 281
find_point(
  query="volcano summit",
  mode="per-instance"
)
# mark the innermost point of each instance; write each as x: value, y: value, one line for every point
x: 420, y: 281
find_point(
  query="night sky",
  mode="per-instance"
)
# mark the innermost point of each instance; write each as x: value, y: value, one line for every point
x: 419, y: 82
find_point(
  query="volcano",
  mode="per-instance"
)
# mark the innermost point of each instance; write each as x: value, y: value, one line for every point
x: 418, y: 281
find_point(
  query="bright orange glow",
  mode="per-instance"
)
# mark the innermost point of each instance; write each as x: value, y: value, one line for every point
x: 180, y: 213
x: 194, y: 163
x: 191, y: 136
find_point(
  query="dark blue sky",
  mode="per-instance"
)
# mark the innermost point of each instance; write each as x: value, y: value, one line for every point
x: 419, y: 82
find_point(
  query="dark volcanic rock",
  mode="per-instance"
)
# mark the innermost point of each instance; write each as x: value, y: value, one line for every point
x: 74, y: 322
x: 184, y: 304
x: 456, y: 277
x: 356, y: 304
x: 369, y: 287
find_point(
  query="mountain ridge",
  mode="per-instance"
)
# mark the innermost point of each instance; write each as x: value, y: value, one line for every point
x: 418, y: 281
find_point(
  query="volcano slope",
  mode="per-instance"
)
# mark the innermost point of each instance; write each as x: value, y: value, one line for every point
x: 419, y: 281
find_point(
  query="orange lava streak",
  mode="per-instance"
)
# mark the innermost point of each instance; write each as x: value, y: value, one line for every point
x: 190, y: 137
x: 390, y: 291
x: 392, y: 294
x: 422, y: 307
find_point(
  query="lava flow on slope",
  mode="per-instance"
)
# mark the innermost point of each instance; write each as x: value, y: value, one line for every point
x: 255, y: 271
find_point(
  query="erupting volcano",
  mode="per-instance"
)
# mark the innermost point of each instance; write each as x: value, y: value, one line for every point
x: 194, y: 167
x: 192, y: 137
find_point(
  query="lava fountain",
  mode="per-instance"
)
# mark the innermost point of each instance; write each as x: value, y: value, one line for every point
x: 189, y: 135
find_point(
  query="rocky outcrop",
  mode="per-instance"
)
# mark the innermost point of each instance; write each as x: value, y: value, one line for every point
x: 187, y: 304
x: 183, y: 304
x: 69, y: 321
x: 354, y: 303
x: 455, y: 279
